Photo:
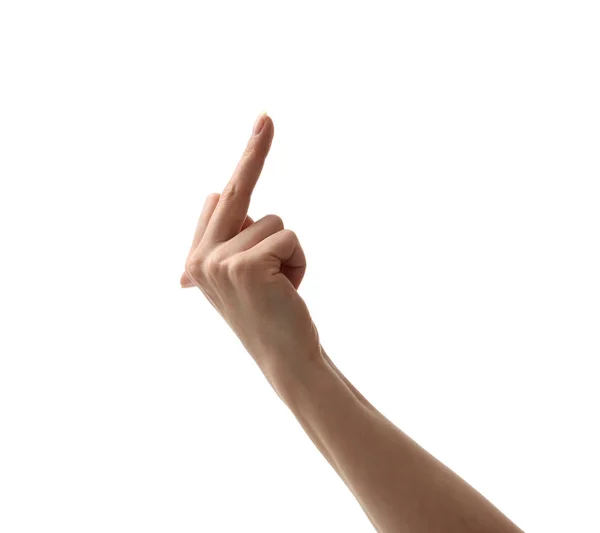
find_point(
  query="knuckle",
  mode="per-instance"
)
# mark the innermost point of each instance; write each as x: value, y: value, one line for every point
x: 290, y: 235
x: 205, y: 267
x: 193, y: 268
x: 275, y: 221
x: 239, y: 268
x: 213, y: 197
x: 213, y: 264
x: 233, y: 190
x: 229, y: 192
x: 250, y: 149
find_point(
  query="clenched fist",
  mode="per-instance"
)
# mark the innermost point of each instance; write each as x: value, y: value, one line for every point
x: 250, y: 271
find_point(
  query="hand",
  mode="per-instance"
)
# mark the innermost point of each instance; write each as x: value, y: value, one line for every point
x: 250, y: 271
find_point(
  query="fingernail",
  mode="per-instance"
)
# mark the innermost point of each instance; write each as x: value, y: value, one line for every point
x: 260, y: 122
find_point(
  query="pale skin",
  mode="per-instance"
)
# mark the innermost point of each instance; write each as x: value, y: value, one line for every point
x: 250, y: 272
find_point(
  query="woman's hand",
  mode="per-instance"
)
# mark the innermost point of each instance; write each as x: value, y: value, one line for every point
x: 250, y: 271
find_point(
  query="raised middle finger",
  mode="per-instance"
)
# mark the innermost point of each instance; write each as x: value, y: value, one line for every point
x: 232, y: 208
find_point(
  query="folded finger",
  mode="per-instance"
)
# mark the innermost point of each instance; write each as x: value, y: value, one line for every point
x: 207, y: 211
x: 285, y: 248
x: 209, y: 206
x: 253, y: 234
x: 185, y: 281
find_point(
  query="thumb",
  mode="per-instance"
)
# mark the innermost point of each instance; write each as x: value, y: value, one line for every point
x: 285, y: 246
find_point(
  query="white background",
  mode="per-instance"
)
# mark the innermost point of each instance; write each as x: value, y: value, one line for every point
x: 439, y: 162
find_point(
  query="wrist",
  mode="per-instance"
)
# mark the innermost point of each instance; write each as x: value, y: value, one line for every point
x: 294, y: 377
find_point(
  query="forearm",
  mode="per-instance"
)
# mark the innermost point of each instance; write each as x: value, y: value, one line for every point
x: 400, y: 486
x: 352, y: 388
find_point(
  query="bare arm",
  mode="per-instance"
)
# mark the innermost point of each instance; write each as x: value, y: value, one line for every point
x: 250, y: 272
x: 399, y: 485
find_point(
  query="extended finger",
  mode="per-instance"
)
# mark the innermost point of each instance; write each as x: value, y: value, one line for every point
x: 232, y: 208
